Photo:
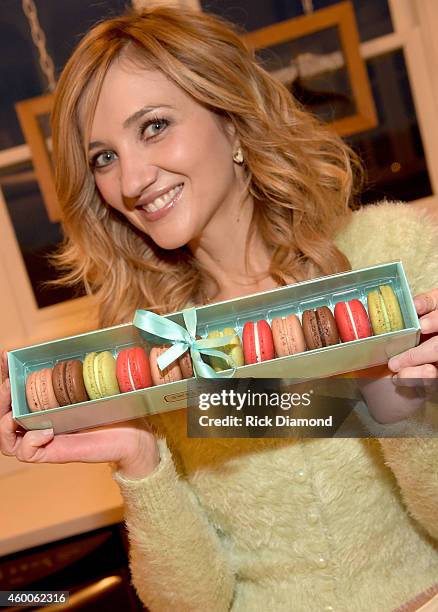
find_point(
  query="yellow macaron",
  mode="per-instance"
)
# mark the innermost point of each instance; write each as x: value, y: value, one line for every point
x: 384, y: 310
x: 100, y: 375
x: 233, y: 349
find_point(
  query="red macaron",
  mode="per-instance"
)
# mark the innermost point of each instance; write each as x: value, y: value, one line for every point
x: 352, y: 320
x: 258, y: 343
x: 133, y: 369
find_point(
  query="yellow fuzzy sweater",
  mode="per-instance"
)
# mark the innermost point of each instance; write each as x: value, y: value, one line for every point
x: 286, y: 525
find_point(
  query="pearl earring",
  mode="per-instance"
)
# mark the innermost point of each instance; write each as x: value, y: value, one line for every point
x: 238, y: 156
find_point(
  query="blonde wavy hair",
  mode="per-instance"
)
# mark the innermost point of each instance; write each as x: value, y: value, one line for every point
x: 301, y: 175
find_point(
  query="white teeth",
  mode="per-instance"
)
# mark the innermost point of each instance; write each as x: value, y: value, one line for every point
x: 163, y: 200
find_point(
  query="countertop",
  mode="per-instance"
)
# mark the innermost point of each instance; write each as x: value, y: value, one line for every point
x: 42, y: 503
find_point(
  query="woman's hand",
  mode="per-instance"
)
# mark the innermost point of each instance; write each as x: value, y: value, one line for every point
x: 390, y: 401
x: 421, y: 361
x: 132, y: 447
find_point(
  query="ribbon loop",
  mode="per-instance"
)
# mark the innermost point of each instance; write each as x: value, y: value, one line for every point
x: 158, y: 328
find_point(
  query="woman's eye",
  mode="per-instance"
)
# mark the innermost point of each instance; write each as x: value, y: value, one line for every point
x: 103, y: 159
x: 154, y: 127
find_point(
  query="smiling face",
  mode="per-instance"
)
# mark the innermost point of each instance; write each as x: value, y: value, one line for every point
x: 160, y: 158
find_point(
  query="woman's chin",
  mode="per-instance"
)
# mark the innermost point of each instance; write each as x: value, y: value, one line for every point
x: 170, y: 243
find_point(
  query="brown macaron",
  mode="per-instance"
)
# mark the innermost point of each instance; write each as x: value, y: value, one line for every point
x: 185, y: 365
x: 319, y: 327
x: 185, y: 362
x: 59, y: 385
x: 68, y: 382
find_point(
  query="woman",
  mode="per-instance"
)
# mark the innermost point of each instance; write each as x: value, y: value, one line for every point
x: 187, y: 174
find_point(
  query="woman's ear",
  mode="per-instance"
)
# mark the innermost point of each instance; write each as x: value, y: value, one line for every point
x: 230, y: 131
x: 231, y: 134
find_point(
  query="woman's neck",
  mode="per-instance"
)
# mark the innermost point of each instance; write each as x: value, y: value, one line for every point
x: 234, y: 291
x: 221, y: 252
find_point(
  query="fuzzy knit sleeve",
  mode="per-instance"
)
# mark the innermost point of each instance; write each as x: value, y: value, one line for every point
x: 414, y: 462
x: 385, y: 232
x: 177, y: 561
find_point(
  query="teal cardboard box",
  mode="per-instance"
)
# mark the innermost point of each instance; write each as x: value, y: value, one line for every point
x: 318, y: 363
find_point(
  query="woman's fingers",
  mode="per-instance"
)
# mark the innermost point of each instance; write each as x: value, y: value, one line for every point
x: 5, y: 398
x: 387, y: 403
x: 112, y: 443
x: 41, y: 446
x: 425, y: 354
x: 8, y: 437
x: 4, y: 372
x: 422, y: 360
x: 32, y: 446
x: 426, y: 302
x: 426, y: 372
x: 96, y: 446
x: 429, y: 322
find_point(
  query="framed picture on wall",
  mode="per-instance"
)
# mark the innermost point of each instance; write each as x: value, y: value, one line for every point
x: 34, y: 117
x: 317, y: 56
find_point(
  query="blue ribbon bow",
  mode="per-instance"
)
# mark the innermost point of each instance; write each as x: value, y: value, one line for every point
x: 185, y: 339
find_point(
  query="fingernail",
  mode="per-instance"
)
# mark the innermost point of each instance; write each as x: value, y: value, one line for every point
x: 46, y: 432
x: 394, y: 364
x: 419, y: 303
x: 425, y: 325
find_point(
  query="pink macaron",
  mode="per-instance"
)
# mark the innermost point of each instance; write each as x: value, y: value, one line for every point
x: 170, y: 374
x: 288, y: 335
x: 40, y: 394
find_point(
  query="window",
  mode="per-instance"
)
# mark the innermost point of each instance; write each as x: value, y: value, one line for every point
x: 398, y: 165
x: 21, y: 78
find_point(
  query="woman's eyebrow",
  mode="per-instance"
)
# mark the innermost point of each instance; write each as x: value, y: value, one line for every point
x: 143, y: 111
x: 94, y: 144
x: 130, y: 120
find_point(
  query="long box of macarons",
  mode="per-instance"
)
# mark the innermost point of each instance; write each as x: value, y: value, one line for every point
x: 313, y: 329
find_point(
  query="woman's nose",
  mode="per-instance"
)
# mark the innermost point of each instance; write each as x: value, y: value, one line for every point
x: 136, y: 175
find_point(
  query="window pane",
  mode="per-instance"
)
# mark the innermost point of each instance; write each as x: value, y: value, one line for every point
x: 393, y: 151
x: 372, y: 16
x: 37, y: 237
x: 312, y: 67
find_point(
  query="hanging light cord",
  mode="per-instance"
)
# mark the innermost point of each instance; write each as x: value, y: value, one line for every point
x: 39, y: 39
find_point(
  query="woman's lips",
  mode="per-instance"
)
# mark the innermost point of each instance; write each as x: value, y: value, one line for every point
x: 159, y: 214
